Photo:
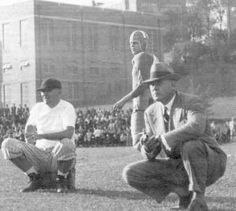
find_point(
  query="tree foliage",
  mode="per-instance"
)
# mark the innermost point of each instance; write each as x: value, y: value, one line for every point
x: 195, y: 38
x: 192, y: 32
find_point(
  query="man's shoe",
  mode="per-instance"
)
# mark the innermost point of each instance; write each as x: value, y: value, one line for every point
x: 35, y: 183
x: 61, y: 184
x: 184, y: 202
x: 71, y: 180
x: 198, y: 203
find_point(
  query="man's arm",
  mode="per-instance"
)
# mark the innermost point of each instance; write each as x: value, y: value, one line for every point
x: 142, y: 63
x: 67, y: 133
x: 134, y: 93
x: 193, y: 127
x: 139, y: 139
x: 32, y: 135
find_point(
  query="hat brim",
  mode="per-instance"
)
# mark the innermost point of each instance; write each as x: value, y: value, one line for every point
x: 173, y: 77
x: 44, y: 90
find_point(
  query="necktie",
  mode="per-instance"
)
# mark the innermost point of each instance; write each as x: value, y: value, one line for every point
x: 166, y: 119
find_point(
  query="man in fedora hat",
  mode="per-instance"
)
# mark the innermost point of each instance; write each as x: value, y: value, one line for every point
x: 141, y: 62
x: 177, y: 124
x: 50, y: 143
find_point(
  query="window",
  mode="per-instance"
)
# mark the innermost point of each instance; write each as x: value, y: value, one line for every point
x: 114, y: 38
x: 72, y: 35
x: 70, y: 90
x: 23, y: 33
x: 47, y: 33
x: 6, y: 36
x: 76, y: 90
x: 151, y: 35
x: 25, y: 94
x: 94, y: 71
x: 48, y: 68
x: 126, y: 4
x: 93, y: 37
x: 73, y: 68
x: 7, y: 94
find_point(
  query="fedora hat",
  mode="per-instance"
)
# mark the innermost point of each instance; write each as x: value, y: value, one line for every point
x: 161, y: 71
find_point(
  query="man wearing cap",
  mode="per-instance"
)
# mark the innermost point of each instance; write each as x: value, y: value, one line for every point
x: 50, y: 145
x: 177, y: 124
x: 142, y: 62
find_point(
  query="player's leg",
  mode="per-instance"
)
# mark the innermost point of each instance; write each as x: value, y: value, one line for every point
x: 64, y: 157
x: 28, y: 158
x: 137, y: 126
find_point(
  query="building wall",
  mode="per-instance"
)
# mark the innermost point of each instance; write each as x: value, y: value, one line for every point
x: 86, y: 48
x: 17, y: 54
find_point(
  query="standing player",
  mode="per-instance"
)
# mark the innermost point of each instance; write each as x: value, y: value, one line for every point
x: 140, y: 93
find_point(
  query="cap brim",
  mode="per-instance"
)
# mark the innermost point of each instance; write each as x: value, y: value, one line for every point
x: 43, y: 90
x: 174, y: 77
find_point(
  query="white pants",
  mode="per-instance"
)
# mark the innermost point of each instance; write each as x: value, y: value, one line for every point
x: 137, y: 123
x: 42, y: 160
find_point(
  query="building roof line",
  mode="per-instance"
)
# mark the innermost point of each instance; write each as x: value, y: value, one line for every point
x: 96, y: 22
x: 79, y: 20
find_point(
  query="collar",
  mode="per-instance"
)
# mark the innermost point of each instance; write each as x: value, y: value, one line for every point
x: 169, y: 104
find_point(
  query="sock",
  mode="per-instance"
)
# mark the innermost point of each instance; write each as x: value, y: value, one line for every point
x: 31, y: 170
x: 62, y: 174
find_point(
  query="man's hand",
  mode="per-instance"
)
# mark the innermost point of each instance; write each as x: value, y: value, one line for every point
x: 151, y: 147
x: 31, y: 134
x: 119, y: 105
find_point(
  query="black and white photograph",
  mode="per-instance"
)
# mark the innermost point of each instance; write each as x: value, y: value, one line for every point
x: 117, y: 105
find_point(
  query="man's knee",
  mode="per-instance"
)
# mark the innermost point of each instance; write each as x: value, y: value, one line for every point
x: 128, y: 173
x: 193, y: 147
x: 7, y: 143
x: 64, y: 150
x: 10, y: 146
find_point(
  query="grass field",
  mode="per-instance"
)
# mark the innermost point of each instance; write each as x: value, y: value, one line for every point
x: 100, y: 186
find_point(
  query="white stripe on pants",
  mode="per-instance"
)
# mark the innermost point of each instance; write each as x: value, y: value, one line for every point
x: 42, y: 160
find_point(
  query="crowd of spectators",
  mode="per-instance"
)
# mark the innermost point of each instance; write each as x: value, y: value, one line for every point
x: 97, y: 127
x: 223, y: 130
x: 12, y: 121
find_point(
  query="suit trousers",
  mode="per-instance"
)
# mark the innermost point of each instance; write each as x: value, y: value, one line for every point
x: 198, y: 167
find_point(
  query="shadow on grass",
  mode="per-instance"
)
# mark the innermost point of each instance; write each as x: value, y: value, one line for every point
x: 225, y: 200
x: 113, y: 194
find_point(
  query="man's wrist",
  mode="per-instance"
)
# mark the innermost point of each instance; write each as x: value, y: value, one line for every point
x: 164, y: 142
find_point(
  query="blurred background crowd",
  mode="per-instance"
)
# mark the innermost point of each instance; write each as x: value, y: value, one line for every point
x: 98, y: 126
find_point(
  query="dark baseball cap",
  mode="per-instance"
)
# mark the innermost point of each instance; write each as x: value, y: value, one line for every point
x: 49, y: 84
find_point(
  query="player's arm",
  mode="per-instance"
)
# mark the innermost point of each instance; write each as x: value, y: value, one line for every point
x: 67, y: 133
x: 142, y: 63
x: 134, y: 93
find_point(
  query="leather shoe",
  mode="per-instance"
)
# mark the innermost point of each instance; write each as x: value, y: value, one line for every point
x: 35, y: 183
x: 198, y: 203
x: 61, y: 184
x: 184, y: 202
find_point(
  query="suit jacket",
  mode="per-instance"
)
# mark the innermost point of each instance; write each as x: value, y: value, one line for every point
x: 188, y: 121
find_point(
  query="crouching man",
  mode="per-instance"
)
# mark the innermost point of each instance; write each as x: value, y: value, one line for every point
x: 176, y: 123
x: 50, y: 146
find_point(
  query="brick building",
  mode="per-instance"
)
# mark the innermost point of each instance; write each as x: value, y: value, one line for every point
x: 87, y: 48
